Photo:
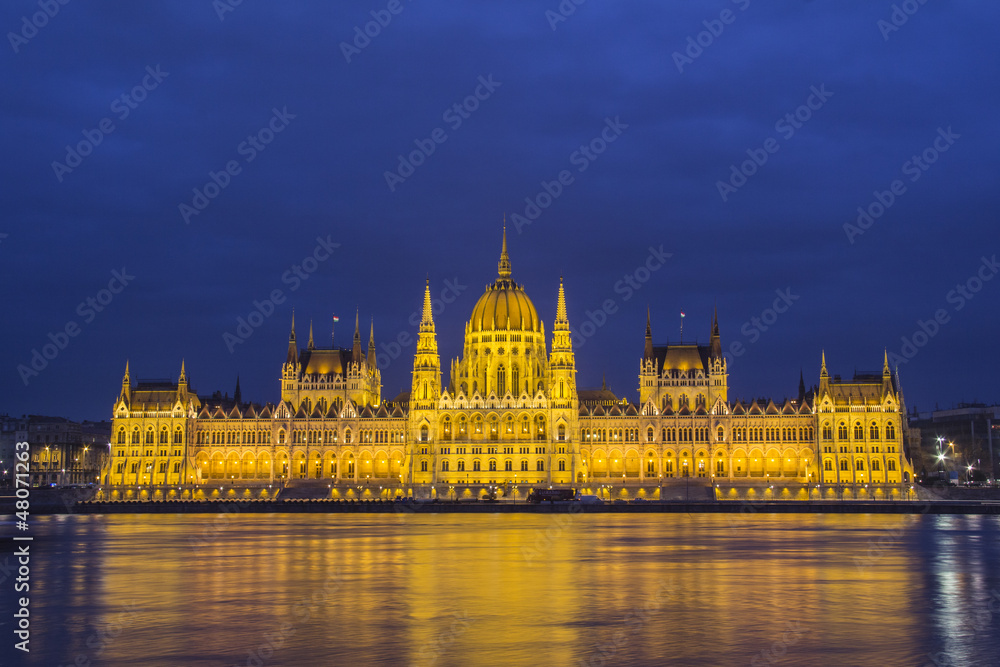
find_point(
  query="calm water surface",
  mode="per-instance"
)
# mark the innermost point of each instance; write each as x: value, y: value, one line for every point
x: 518, y: 589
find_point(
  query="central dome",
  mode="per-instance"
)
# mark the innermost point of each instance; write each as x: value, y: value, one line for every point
x: 504, y: 306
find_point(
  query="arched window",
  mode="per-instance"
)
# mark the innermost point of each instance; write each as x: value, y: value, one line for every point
x: 562, y: 432
x: 493, y: 465
x: 859, y: 465
x: 828, y: 465
x: 859, y: 431
x: 121, y: 436
x: 501, y: 380
x: 423, y: 466
x: 649, y: 434
x: 890, y: 431
x: 515, y: 380
x: 508, y: 466
x: 461, y: 466
x: 842, y: 431
x: 178, y: 436
x: 562, y: 465
x: 891, y: 465
x: 827, y: 431
x: 873, y: 431
x: 540, y: 465
x: 163, y: 436
x: 524, y: 466
x: 424, y: 433
x: 720, y: 434
x: 475, y: 465
x: 875, y: 466
x: 561, y: 390
x: 444, y: 466
x: 843, y: 465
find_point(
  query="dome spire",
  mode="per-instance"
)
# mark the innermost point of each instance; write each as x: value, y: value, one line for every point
x: 504, y: 266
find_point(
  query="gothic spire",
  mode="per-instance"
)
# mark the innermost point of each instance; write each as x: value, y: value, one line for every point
x: 504, y: 266
x: 311, y: 345
x: 356, y: 349
x: 371, y: 346
x: 293, y: 351
x: 648, y: 351
x: 561, y: 317
x: 427, y: 321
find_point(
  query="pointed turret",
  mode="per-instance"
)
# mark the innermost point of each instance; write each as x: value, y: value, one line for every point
x: 802, y: 385
x: 715, y: 342
x: 647, y: 353
x: 293, y: 352
x: 562, y: 363
x: 356, y: 348
x: 126, y: 384
x: 182, y: 383
x: 237, y: 394
x: 886, y: 375
x: 311, y: 345
x: 371, y: 346
x: 426, y: 386
x: 503, y: 267
x: 824, y: 377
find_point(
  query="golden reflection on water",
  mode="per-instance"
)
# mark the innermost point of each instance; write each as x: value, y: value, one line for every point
x: 454, y: 589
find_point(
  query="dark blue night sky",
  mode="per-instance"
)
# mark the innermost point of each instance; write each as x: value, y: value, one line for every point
x: 738, y: 137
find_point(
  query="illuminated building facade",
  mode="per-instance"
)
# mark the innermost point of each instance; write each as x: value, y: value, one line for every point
x: 510, y: 416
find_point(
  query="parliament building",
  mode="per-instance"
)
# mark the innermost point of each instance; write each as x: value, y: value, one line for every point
x: 509, y: 417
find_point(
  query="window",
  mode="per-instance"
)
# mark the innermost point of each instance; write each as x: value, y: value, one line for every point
x: 842, y: 431
x: 524, y: 466
x: 859, y: 431
x: 508, y: 465
x: 501, y: 381
x: 424, y: 433
x: 561, y: 432
x: 720, y: 467
x: 873, y: 431
x: 720, y: 434
x: 649, y: 434
x: 178, y: 436
x: 475, y: 465
x: 890, y: 431
x: 461, y: 466
x: 843, y: 465
x: 827, y: 431
x: 423, y: 466
x: 493, y: 465
x: 828, y: 465
x: 163, y: 436
x: 515, y: 380
x: 121, y: 436
x: 859, y: 465
x: 444, y: 466
x: 562, y: 465
x: 540, y: 465
x: 875, y: 466
x: 891, y: 465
